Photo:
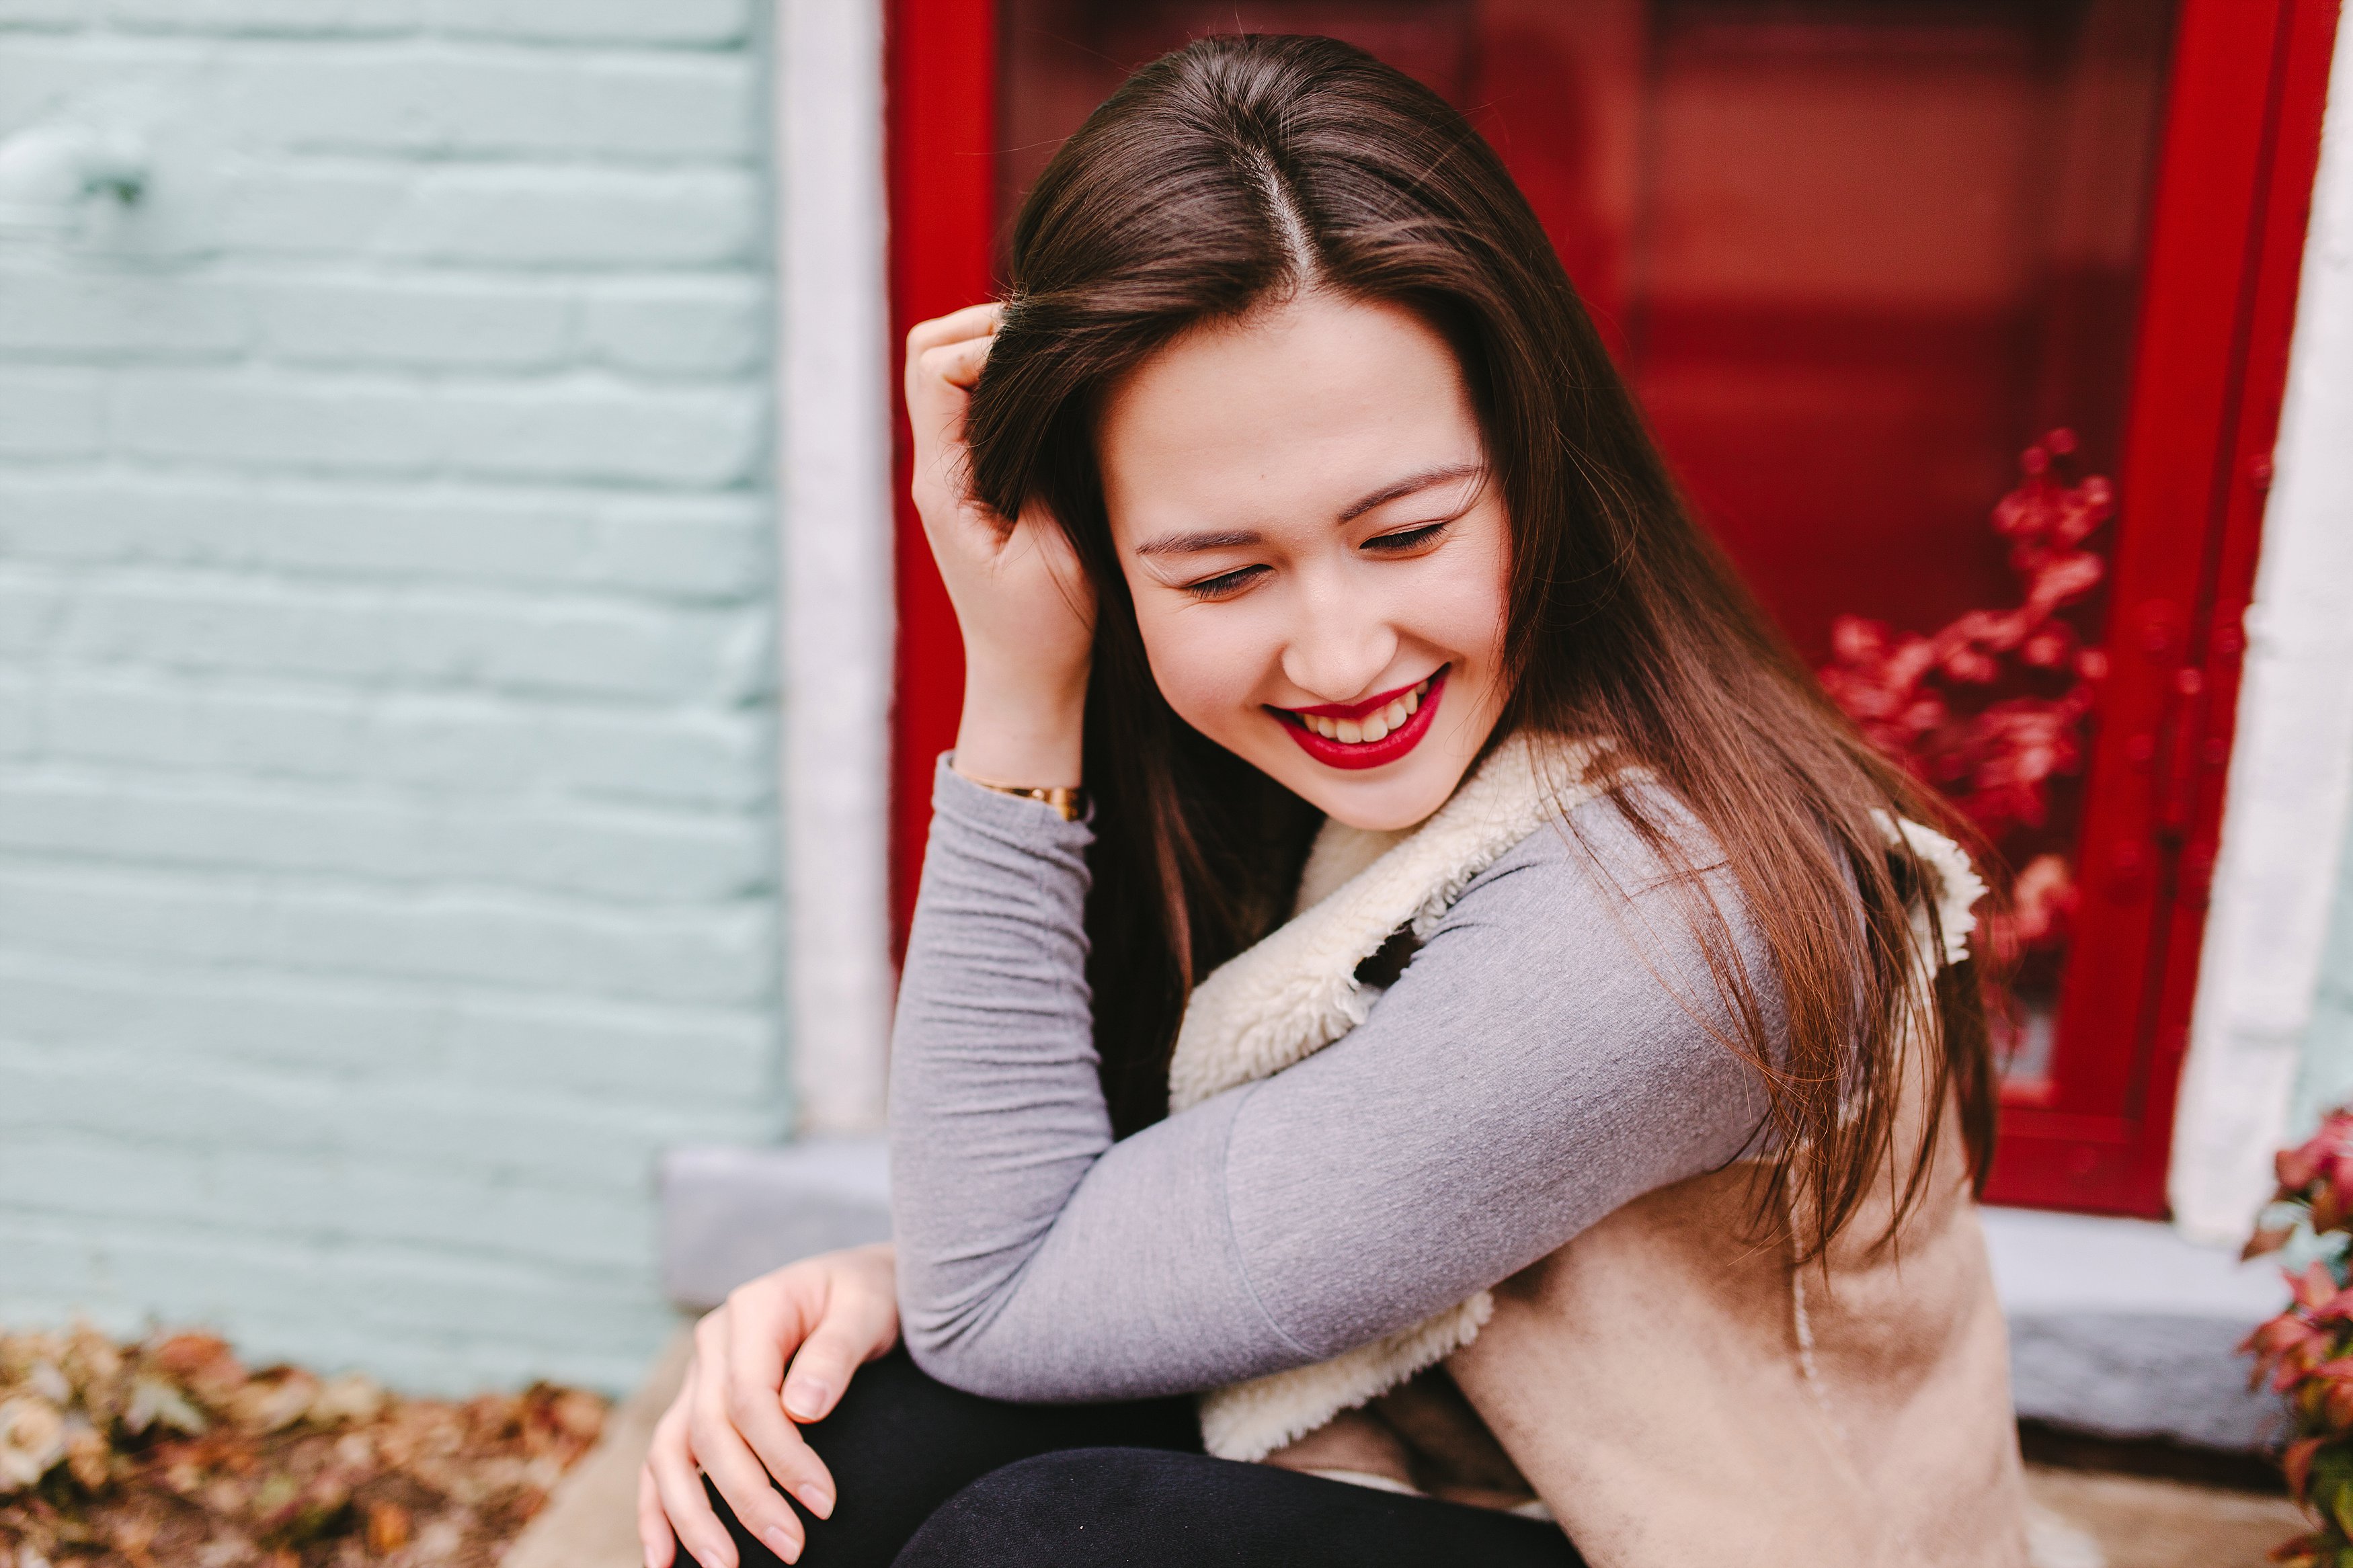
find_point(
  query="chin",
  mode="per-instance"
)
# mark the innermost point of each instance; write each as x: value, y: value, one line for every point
x: 1375, y: 804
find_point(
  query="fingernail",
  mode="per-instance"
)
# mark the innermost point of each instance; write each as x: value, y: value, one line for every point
x: 804, y: 1401
x: 817, y: 1500
x: 782, y: 1545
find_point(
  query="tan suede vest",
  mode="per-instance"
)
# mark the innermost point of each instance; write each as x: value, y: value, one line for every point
x: 1677, y: 1395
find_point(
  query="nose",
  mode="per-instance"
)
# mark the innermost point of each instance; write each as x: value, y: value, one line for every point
x: 1340, y: 644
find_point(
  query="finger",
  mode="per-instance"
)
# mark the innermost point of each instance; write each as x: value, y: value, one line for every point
x: 973, y: 321
x: 670, y: 1461
x: 746, y: 1339
x: 957, y: 363
x: 859, y: 1325
x: 742, y: 1479
x: 658, y: 1545
x: 757, y: 1344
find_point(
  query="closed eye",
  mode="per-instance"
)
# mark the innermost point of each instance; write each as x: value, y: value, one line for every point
x: 1226, y: 585
x: 1405, y: 542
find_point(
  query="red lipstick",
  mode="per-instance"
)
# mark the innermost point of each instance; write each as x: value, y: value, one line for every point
x: 1354, y: 754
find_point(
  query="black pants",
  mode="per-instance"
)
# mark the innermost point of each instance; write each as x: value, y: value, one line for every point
x: 929, y: 1478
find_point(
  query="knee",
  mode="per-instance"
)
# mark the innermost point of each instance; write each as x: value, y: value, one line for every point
x: 1069, y: 1510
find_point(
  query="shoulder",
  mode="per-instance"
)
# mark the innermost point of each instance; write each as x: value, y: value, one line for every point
x: 1628, y: 845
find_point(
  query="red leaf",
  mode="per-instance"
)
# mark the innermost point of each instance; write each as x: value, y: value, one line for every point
x: 2315, y: 1288
x: 2297, y: 1463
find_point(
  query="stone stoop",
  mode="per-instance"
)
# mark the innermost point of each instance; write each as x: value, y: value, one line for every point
x: 729, y: 1215
x: 2121, y: 1328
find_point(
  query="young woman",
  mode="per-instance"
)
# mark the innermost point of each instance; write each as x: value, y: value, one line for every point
x: 1488, y: 1031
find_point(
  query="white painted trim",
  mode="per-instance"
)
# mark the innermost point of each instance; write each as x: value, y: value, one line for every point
x: 2292, y: 769
x: 833, y: 500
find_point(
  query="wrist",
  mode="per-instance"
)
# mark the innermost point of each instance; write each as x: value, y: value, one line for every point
x: 1020, y: 729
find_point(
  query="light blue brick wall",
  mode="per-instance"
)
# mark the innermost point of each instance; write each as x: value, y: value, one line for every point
x: 387, y: 852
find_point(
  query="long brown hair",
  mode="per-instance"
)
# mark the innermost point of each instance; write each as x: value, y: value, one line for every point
x: 1232, y: 174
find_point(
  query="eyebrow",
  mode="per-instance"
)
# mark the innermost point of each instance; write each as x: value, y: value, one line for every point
x: 1235, y: 538
x: 1410, y: 484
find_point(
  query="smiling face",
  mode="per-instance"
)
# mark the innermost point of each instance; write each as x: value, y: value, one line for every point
x: 1302, y: 511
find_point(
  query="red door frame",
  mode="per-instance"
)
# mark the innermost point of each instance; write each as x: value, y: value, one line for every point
x: 2241, y: 145
x: 940, y: 128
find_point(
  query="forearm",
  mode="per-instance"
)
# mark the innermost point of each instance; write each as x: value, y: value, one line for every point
x: 1539, y: 1064
x: 1037, y: 1259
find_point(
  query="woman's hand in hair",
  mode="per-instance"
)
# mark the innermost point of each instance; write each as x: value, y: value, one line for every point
x: 1024, y: 604
x: 776, y: 1356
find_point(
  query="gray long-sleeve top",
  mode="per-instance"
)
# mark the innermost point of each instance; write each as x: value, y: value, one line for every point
x: 1541, y: 1061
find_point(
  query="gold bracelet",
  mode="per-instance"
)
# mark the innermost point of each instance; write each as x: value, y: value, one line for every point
x: 1068, y: 800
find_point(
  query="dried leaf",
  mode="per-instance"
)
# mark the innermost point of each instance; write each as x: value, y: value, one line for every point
x: 274, y: 1401
x: 89, y: 1456
x: 353, y: 1397
x: 32, y: 1439
x: 388, y: 1528
x: 155, y: 1401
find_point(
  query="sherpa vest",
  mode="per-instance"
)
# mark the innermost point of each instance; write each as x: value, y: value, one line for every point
x: 1673, y: 1393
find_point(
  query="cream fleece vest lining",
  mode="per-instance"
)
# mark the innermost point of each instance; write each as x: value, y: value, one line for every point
x: 1296, y: 992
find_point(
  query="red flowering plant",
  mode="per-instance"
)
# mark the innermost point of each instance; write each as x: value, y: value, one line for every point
x: 1990, y: 709
x: 2307, y: 1351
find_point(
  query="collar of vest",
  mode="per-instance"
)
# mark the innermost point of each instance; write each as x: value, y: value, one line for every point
x: 1296, y: 991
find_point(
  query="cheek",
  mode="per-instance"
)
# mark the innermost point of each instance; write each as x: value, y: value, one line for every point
x: 1211, y: 667
x: 1462, y: 603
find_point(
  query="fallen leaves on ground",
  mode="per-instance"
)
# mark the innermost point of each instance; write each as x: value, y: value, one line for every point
x: 171, y: 1452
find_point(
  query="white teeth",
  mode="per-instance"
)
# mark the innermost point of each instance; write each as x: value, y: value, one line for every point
x: 1375, y: 726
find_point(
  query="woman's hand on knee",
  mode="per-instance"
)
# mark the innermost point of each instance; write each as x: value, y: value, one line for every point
x: 780, y: 1351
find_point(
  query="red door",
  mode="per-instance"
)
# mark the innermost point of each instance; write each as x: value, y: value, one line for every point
x: 1854, y: 257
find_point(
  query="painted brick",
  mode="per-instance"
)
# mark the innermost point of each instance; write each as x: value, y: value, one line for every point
x: 699, y: 546
x: 339, y: 1201
x: 387, y: 773
x: 19, y: 716
x: 574, y: 217
x: 584, y: 648
x: 518, y: 1139
x: 210, y: 1021
x: 45, y: 13
x: 340, y: 1304
x: 704, y: 22
x: 51, y: 413
x: 463, y: 744
x: 283, y: 207
x: 430, y: 323
x: 475, y: 102
x: 714, y: 326
x: 717, y: 956
x: 584, y: 430
x: 44, y: 313
x: 31, y: 608
x: 602, y: 853
x: 710, y: 548
x: 299, y: 19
